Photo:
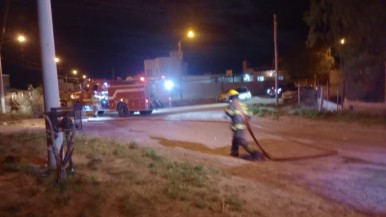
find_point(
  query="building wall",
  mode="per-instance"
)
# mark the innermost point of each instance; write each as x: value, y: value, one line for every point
x: 6, y: 83
x: 164, y: 66
x: 209, y: 87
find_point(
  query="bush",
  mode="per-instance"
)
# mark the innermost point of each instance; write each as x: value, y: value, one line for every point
x: 266, y: 110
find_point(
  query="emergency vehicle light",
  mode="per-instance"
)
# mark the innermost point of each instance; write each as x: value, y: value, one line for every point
x: 169, y: 84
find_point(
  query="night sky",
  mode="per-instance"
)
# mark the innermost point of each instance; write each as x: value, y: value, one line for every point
x: 100, y: 36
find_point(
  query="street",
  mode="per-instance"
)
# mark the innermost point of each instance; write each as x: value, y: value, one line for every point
x: 353, y: 179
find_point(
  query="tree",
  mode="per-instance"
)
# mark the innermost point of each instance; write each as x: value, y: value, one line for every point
x: 306, y: 65
x: 363, y: 26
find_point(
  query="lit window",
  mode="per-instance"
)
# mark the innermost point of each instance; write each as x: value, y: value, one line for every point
x: 280, y: 77
x: 247, y: 78
x: 260, y: 78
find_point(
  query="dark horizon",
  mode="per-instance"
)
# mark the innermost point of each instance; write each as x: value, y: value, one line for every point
x: 104, y: 36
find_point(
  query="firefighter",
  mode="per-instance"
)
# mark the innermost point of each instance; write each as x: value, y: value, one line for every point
x: 94, y: 104
x: 235, y: 110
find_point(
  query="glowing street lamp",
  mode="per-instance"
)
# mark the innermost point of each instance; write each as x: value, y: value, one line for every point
x: 74, y: 71
x: 342, y: 41
x: 190, y: 34
x: 84, y: 76
x: 21, y: 38
x: 57, y: 59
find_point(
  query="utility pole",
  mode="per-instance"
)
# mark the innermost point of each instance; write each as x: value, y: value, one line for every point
x: 50, y: 75
x: 275, y: 45
x: 180, y: 66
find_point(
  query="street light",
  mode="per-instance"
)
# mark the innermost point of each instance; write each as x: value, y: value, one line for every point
x: 20, y: 39
x: 57, y: 59
x: 190, y: 34
x: 342, y: 42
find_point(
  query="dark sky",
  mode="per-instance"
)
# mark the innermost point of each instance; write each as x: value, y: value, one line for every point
x: 98, y: 36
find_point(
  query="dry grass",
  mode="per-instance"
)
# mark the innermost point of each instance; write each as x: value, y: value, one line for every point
x: 111, y: 179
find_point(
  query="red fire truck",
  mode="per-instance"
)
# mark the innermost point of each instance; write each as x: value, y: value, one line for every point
x: 124, y: 96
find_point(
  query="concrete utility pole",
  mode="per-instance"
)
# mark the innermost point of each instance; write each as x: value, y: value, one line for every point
x: 275, y: 45
x: 50, y: 75
x: 47, y: 45
x: 180, y: 66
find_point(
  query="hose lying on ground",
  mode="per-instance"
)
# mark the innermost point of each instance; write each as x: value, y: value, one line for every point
x: 327, y: 152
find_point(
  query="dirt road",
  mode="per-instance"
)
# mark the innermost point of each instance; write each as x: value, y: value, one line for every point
x: 349, y: 183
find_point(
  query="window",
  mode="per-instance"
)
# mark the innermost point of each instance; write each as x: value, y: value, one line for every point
x: 247, y: 78
x: 260, y: 78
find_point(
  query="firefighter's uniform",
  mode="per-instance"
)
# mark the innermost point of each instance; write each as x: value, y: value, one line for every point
x: 238, y: 126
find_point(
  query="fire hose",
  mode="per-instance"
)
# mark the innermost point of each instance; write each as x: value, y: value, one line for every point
x: 327, y: 152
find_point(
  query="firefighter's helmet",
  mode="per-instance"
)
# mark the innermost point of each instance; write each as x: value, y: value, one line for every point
x: 232, y: 92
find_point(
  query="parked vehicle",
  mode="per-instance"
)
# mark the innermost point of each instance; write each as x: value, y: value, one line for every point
x: 123, y: 96
x: 244, y: 93
x: 290, y: 95
x: 271, y: 91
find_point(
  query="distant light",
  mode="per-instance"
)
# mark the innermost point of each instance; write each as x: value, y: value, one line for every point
x: 105, y: 84
x: 191, y: 34
x: 74, y: 72
x: 21, y: 38
x: 247, y: 77
x: 163, y: 77
x: 142, y: 78
x: 57, y: 59
x: 342, y: 41
x: 84, y: 76
x: 169, y: 84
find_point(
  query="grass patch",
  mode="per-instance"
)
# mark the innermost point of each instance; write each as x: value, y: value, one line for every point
x: 111, y: 179
x: 15, y: 116
x: 346, y: 116
x: 262, y: 110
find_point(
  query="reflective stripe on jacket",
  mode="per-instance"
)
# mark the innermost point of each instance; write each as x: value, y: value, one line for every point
x: 236, y: 115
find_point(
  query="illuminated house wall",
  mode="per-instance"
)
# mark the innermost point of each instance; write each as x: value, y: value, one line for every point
x: 164, y: 66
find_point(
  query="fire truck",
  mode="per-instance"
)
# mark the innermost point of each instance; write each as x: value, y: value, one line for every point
x: 123, y: 96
